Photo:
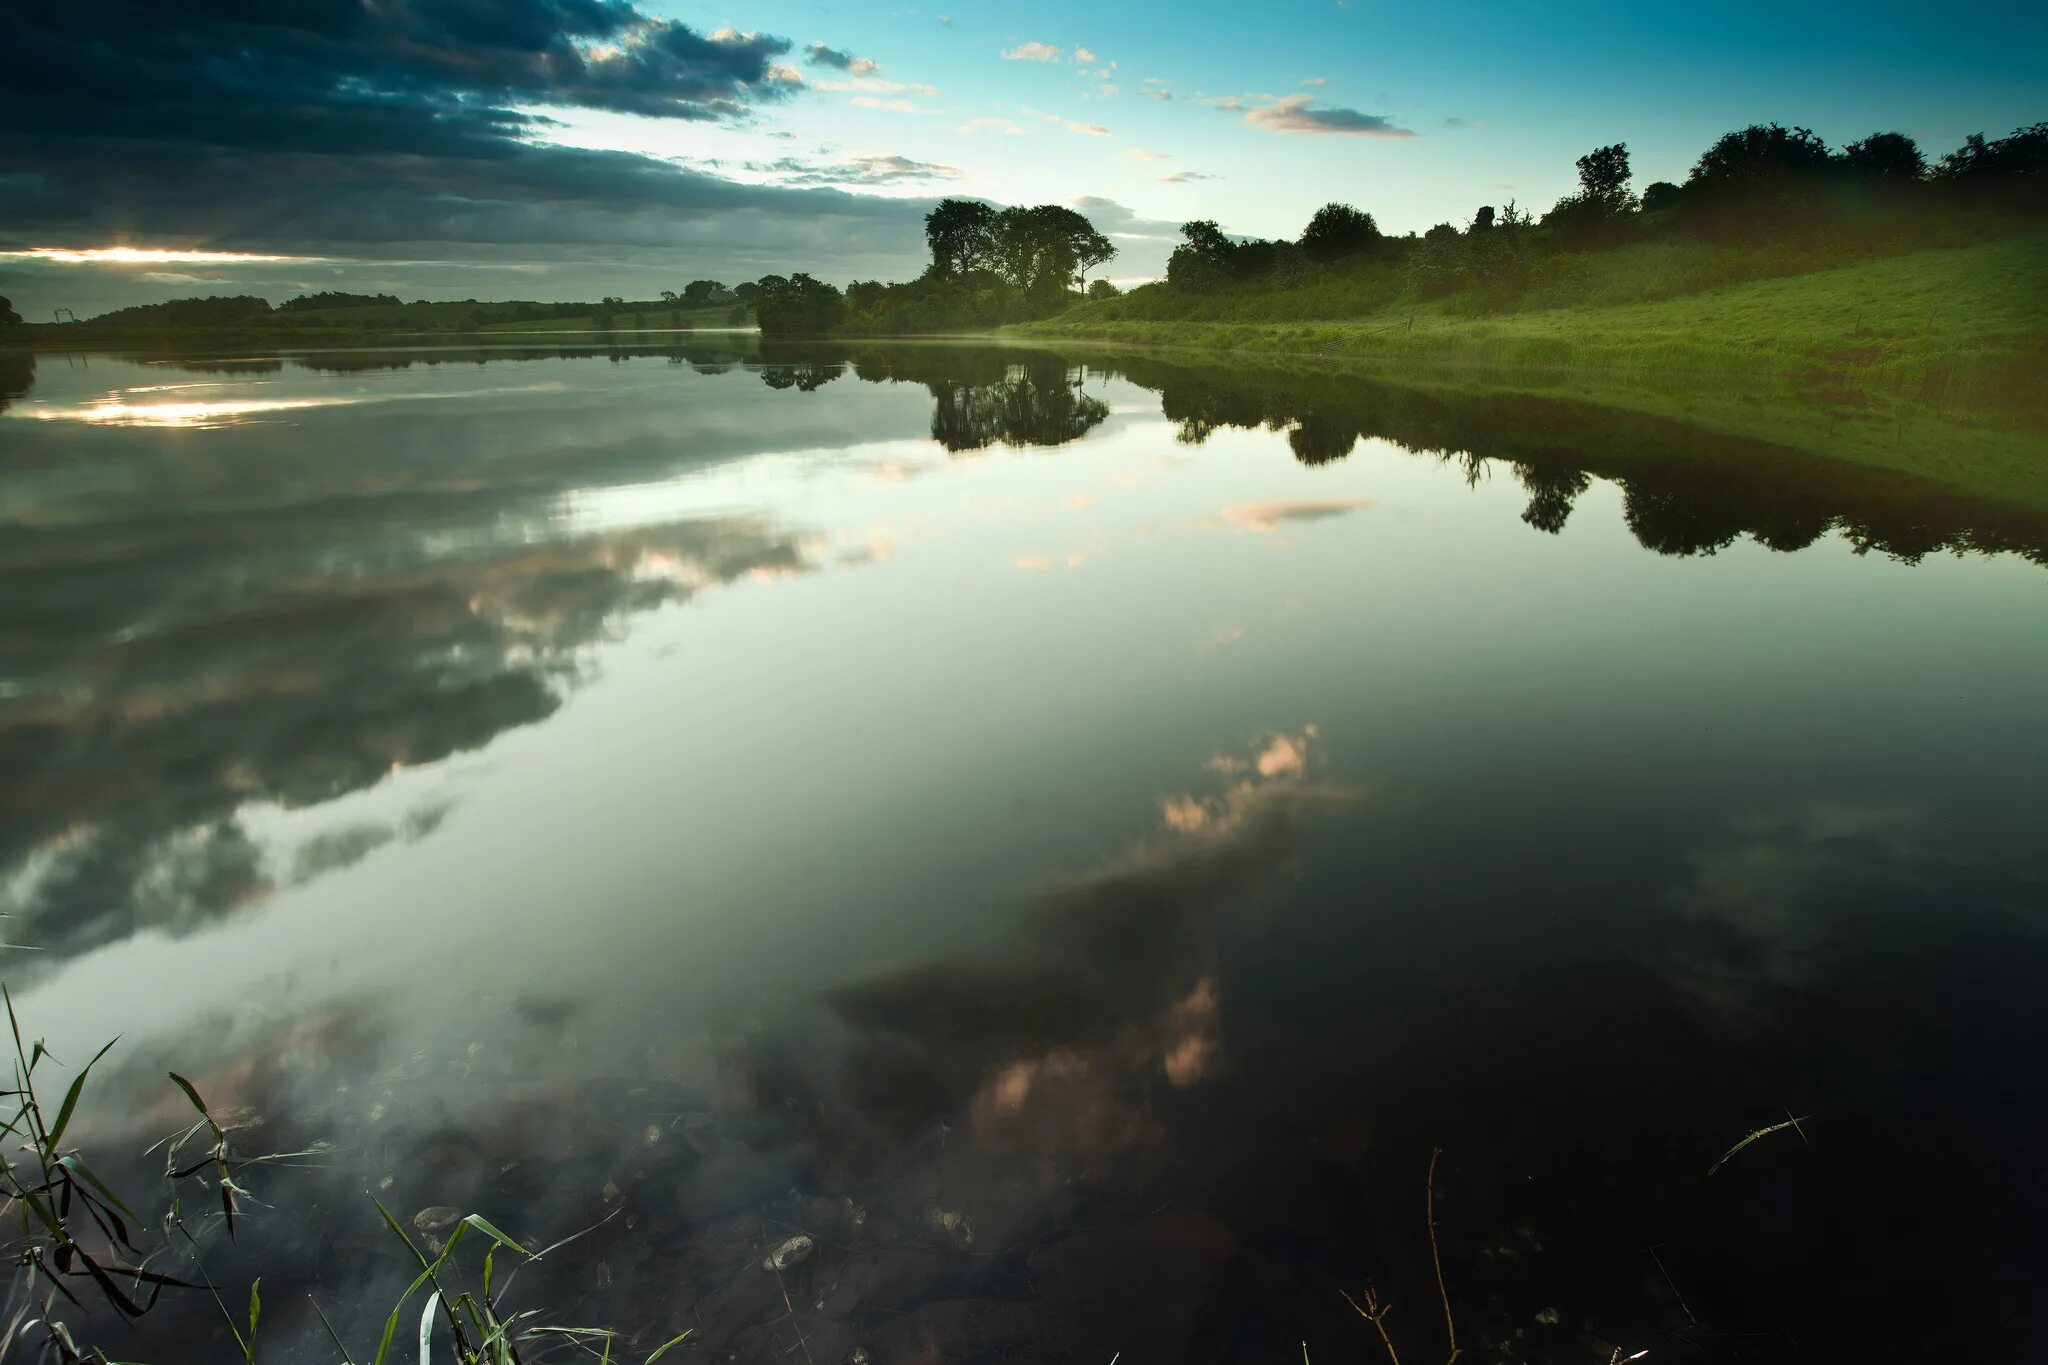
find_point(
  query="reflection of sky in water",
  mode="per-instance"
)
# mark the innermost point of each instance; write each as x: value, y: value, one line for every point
x: 1010, y: 784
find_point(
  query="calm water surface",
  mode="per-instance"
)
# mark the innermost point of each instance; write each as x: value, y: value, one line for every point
x: 1071, y: 833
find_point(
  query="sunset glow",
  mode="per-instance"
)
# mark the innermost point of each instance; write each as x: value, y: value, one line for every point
x: 142, y: 255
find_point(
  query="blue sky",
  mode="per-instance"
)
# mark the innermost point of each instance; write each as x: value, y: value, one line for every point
x: 1499, y: 98
x: 728, y: 138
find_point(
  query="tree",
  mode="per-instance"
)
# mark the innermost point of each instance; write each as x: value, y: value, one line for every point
x: 1202, y: 257
x: 1594, y: 216
x: 1659, y: 195
x: 1758, y: 180
x: 960, y: 233
x: 1337, y: 231
x: 1099, y: 290
x: 1760, y: 160
x: 1437, y: 265
x: 2013, y: 167
x: 747, y: 293
x: 1604, y: 176
x: 1884, y: 158
x: 8, y: 317
x: 799, y: 306
x: 1043, y: 251
x: 702, y: 293
x: 1482, y: 221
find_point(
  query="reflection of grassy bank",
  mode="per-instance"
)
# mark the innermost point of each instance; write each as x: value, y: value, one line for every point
x: 87, y: 336
x: 1934, y: 363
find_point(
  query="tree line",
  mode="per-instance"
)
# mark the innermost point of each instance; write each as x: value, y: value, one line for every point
x: 1752, y: 186
x: 988, y: 266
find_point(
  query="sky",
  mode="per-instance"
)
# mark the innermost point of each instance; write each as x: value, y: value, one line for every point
x: 567, y: 149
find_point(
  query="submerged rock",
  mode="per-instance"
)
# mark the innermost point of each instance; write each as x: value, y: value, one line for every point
x: 790, y: 1254
x: 436, y: 1219
x: 949, y: 1224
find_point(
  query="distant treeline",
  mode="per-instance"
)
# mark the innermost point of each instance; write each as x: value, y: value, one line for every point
x: 1759, y: 190
x: 1772, y: 199
x: 369, y: 311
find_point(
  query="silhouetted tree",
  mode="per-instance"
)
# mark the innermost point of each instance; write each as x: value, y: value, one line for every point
x: 798, y: 306
x: 1043, y: 250
x: 1436, y: 265
x: 8, y: 317
x: 1337, y: 231
x: 306, y: 303
x: 1659, y: 195
x: 1482, y: 221
x: 1202, y: 258
x: 1593, y: 216
x: 1891, y: 158
x: 2013, y: 167
x: 1604, y: 176
x: 961, y: 233
x: 747, y: 292
x: 702, y: 293
x: 1756, y: 180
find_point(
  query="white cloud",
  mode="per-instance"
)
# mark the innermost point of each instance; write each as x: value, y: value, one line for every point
x: 1298, y: 114
x: 876, y: 86
x: 1071, y: 125
x: 897, y: 106
x: 1034, y: 52
x: 988, y: 125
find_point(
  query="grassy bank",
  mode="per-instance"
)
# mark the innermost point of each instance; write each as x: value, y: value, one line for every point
x: 398, y: 325
x: 1933, y: 363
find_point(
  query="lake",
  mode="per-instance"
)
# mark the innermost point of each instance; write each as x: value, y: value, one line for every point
x: 1074, y: 834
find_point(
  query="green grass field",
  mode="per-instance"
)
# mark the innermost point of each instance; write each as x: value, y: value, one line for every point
x: 1933, y: 362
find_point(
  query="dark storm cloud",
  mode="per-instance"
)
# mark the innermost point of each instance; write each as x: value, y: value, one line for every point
x: 223, y: 71
x: 340, y: 125
x: 821, y: 55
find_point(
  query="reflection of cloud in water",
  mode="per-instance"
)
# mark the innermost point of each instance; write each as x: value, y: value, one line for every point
x: 1776, y: 893
x: 1106, y: 983
x: 1264, y: 518
x: 131, y: 754
x: 120, y: 409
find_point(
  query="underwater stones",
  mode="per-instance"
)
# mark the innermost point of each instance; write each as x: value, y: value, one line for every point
x: 789, y: 1254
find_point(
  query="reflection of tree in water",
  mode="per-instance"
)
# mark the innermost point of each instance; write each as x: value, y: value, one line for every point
x: 1037, y: 403
x: 985, y: 394
x: 1695, y: 492
x: 17, y: 377
x: 1318, y: 440
x: 804, y: 376
x: 1552, y: 491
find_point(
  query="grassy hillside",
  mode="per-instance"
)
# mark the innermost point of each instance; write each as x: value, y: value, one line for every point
x: 1934, y: 362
